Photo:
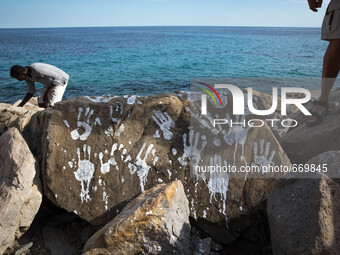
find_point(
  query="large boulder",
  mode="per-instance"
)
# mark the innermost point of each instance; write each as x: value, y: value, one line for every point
x: 100, y: 152
x: 303, y: 143
x: 18, y: 117
x: 330, y: 161
x: 155, y: 222
x: 20, y: 188
x: 304, y: 215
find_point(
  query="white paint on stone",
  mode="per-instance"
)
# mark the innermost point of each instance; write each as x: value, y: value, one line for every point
x: 165, y: 122
x: 131, y: 100
x: 84, y: 173
x: 85, y: 125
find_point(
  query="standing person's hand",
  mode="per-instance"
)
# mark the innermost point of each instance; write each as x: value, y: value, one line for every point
x: 314, y: 4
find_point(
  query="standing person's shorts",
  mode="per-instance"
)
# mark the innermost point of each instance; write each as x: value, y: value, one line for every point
x: 331, y: 22
x: 56, y: 95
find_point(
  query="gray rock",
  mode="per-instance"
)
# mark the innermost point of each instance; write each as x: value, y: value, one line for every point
x: 304, y: 143
x: 20, y: 188
x: 23, y: 248
x: 201, y: 246
x: 57, y: 242
x: 331, y: 159
x: 304, y: 215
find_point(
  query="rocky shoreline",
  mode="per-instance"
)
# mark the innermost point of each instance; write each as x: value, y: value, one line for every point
x: 111, y: 175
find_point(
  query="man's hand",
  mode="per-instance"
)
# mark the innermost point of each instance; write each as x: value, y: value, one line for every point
x: 314, y: 4
x: 26, y: 99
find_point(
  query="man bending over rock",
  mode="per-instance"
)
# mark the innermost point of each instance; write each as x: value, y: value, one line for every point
x: 331, y: 62
x: 54, y: 81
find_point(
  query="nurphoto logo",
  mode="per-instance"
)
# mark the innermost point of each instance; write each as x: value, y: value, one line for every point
x: 238, y: 107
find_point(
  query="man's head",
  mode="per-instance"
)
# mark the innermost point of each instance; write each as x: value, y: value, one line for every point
x: 18, y: 72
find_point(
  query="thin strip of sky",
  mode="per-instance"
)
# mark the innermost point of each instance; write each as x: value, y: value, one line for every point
x: 85, y: 13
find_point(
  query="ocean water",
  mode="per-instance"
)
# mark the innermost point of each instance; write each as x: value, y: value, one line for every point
x: 148, y: 60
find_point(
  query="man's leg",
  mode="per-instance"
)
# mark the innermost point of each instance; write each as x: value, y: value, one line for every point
x: 56, y: 94
x: 41, y: 102
x: 331, y: 67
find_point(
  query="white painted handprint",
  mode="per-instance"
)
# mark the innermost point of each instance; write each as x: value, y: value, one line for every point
x: 261, y: 155
x: 140, y: 166
x: 105, y: 167
x: 165, y: 122
x: 84, y: 124
x: 191, y: 151
x: 218, y: 182
x: 236, y: 135
x: 84, y: 173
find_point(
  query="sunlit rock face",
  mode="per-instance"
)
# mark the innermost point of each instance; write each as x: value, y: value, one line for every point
x: 97, y: 153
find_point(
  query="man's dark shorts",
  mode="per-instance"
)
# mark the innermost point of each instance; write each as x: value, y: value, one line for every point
x: 331, y: 22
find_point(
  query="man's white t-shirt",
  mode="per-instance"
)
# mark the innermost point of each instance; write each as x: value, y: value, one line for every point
x: 45, y: 74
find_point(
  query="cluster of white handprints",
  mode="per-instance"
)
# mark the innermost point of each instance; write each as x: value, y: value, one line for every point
x: 85, y: 169
x: 194, y: 144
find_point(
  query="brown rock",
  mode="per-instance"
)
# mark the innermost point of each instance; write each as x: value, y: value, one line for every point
x: 20, y: 188
x: 100, y: 152
x: 304, y: 215
x: 12, y: 116
x: 155, y: 222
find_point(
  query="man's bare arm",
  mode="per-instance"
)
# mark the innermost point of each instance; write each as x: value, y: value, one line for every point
x: 27, y: 97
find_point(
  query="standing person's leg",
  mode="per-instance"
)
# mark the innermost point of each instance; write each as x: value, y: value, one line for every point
x: 331, y: 67
x: 331, y: 62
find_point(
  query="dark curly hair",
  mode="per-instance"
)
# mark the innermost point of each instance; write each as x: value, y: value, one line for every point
x: 17, y: 70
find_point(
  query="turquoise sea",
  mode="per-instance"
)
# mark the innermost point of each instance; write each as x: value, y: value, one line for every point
x: 148, y: 60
